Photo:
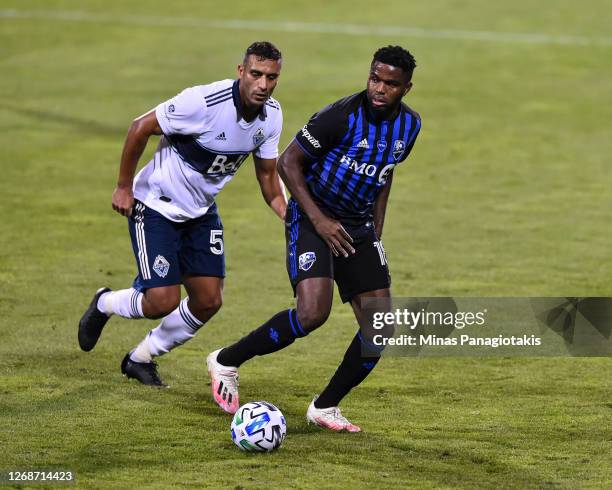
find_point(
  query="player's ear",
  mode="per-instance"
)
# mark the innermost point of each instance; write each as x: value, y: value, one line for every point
x: 240, y: 70
x: 408, y: 87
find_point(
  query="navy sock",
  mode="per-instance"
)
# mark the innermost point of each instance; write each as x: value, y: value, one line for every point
x: 354, y: 368
x: 277, y: 333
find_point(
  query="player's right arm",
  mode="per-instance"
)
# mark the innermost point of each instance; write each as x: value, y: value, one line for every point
x: 322, y: 132
x: 135, y: 143
x: 291, y: 165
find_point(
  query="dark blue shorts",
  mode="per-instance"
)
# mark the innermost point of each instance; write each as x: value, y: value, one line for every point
x: 166, y: 251
x: 309, y: 256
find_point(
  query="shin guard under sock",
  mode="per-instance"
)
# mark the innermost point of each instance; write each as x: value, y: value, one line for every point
x: 277, y: 333
x: 354, y: 368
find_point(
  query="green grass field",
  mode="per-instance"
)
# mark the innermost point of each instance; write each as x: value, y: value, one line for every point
x: 507, y: 193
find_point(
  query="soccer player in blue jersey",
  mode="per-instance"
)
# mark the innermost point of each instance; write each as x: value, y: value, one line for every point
x: 339, y: 169
x: 207, y: 132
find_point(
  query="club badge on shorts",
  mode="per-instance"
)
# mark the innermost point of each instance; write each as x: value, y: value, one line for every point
x: 161, y: 266
x: 306, y: 260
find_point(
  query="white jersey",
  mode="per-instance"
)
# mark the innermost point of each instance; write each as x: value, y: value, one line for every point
x: 204, y: 143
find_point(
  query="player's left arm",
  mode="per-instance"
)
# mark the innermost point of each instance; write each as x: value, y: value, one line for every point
x: 272, y: 188
x: 380, y: 206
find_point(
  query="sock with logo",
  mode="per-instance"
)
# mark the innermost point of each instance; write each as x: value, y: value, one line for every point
x: 277, y: 333
x: 126, y: 303
x: 175, y: 329
x: 354, y: 368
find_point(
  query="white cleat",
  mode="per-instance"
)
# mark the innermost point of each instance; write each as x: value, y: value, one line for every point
x: 223, y: 383
x: 330, y: 418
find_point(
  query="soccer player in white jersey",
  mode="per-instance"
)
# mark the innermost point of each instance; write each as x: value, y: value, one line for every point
x: 206, y: 132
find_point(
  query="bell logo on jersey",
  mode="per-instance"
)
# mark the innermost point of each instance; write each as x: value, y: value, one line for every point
x: 220, y: 165
x: 306, y: 260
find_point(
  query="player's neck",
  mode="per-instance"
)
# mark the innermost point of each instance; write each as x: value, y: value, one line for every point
x: 385, y: 116
x: 249, y: 113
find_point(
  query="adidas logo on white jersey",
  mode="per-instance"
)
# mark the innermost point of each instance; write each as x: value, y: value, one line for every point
x: 221, y: 136
x: 363, y: 143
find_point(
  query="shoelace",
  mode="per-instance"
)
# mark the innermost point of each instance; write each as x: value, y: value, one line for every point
x: 230, y: 378
x: 337, y: 415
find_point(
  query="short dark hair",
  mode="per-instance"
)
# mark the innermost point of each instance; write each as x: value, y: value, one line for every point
x: 263, y: 50
x: 396, y: 56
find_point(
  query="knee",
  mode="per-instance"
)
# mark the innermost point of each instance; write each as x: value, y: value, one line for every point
x: 159, y: 306
x: 311, y: 318
x: 205, y: 307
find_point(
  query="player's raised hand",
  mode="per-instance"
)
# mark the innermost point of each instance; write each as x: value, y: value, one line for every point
x: 336, y: 237
x: 123, y: 200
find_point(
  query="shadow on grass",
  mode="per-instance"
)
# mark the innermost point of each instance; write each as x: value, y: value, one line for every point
x: 119, y: 424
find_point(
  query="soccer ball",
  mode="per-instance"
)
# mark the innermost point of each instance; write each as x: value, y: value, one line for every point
x: 258, y: 426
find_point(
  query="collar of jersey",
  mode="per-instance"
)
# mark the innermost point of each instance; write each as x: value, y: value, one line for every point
x: 238, y: 104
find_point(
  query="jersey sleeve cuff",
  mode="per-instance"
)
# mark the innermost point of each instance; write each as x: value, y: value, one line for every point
x: 266, y: 156
x: 314, y: 157
x: 162, y: 119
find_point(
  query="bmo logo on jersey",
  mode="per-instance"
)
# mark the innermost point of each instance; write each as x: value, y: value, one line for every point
x: 226, y: 164
x: 367, y: 169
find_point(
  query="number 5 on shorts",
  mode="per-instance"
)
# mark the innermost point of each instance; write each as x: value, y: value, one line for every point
x: 216, y: 242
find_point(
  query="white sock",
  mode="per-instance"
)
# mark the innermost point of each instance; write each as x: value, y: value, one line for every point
x: 126, y: 303
x: 174, y: 330
x: 142, y: 352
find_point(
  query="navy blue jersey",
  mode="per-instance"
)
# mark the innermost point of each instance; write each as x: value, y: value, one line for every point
x: 353, y: 155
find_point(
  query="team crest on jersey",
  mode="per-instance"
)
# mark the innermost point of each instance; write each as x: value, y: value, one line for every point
x: 398, y: 149
x: 161, y: 266
x: 171, y: 108
x: 306, y: 260
x: 381, y: 145
x: 258, y: 137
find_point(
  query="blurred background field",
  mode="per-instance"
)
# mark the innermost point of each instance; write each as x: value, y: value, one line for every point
x: 507, y: 193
